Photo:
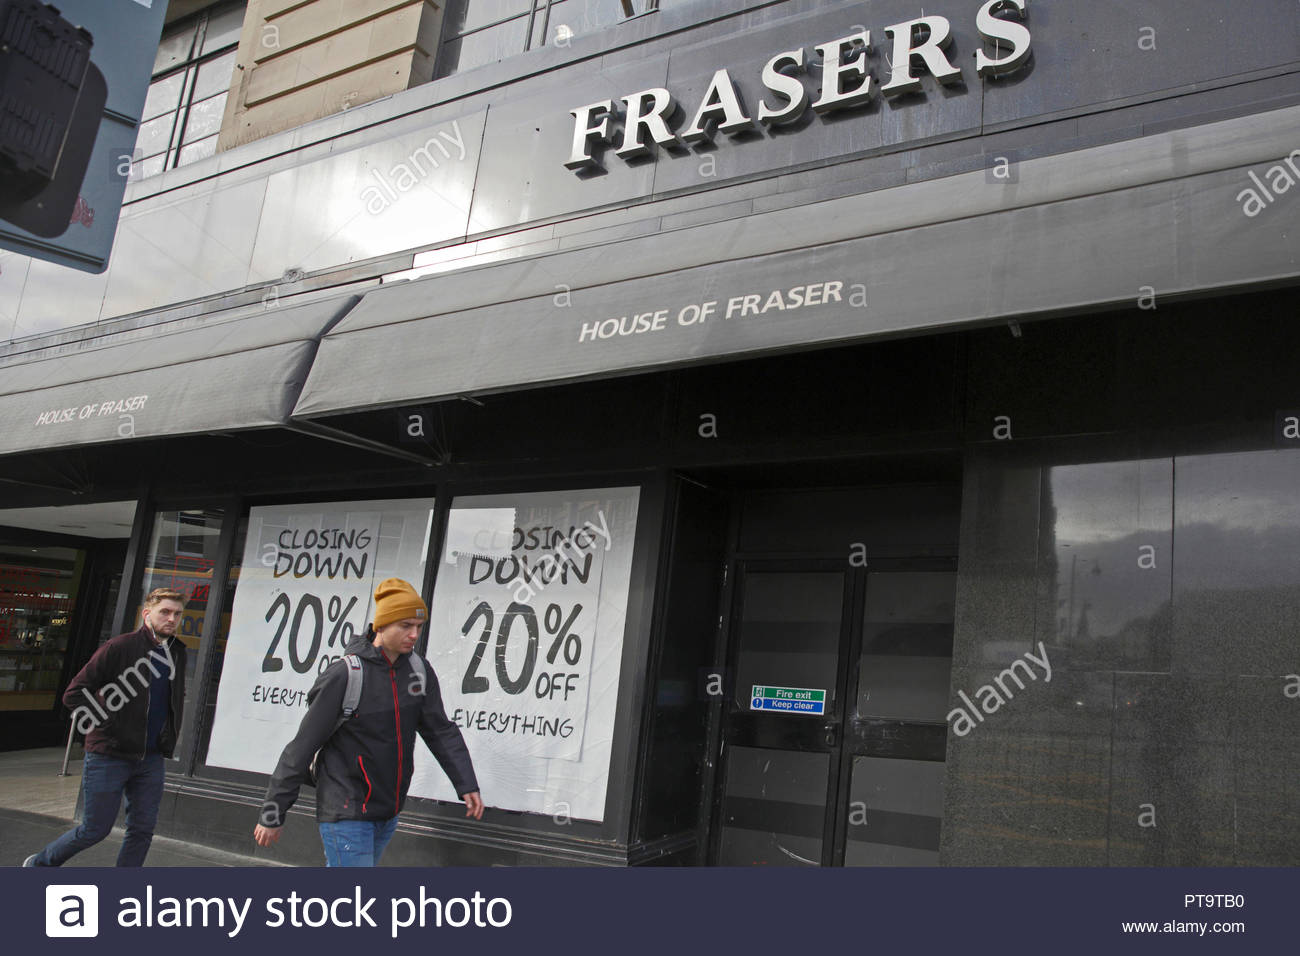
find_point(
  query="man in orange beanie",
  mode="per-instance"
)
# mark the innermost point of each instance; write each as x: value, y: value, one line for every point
x: 361, y: 778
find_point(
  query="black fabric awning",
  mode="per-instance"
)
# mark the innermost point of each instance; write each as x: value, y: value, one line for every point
x: 220, y: 372
x: 1133, y: 221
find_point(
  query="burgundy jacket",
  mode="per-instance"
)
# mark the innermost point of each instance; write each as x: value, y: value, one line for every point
x: 109, y: 697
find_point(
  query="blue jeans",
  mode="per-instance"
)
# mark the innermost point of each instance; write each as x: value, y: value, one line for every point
x: 356, y: 842
x: 104, y: 781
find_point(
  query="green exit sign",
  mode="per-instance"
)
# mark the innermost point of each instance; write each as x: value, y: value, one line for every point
x: 789, y: 700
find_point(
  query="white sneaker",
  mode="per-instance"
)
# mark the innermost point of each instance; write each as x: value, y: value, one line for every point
x: 30, y: 861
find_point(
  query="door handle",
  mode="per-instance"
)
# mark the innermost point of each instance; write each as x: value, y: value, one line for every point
x: 831, y: 734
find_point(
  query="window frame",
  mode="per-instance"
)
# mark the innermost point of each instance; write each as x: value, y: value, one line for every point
x: 188, y: 69
x: 631, y: 9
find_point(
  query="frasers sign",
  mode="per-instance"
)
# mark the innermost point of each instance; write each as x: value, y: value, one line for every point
x: 842, y: 72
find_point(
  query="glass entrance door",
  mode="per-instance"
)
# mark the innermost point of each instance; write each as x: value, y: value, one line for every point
x: 835, y: 729
x: 780, y: 748
x: 891, y: 803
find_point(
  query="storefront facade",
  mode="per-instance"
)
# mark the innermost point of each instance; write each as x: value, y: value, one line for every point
x: 902, y: 472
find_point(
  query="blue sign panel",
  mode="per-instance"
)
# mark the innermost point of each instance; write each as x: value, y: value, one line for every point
x: 788, y: 700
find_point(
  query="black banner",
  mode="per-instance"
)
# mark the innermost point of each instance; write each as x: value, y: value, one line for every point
x: 657, y: 911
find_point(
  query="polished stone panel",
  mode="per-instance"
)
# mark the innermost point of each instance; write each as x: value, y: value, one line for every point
x: 409, y: 189
x: 198, y: 244
x: 521, y: 175
x: 1266, y: 755
x: 1000, y: 510
x: 1030, y: 784
x: 1236, y: 562
x: 998, y: 563
x: 995, y: 613
x: 1105, y: 564
x: 1172, y: 800
x: 1177, y: 581
x: 53, y: 292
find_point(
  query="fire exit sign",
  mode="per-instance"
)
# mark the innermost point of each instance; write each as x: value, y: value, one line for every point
x: 790, y: 700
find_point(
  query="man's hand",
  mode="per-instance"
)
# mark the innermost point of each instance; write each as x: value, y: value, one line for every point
x: 473, y: 805
x: 265, y: 836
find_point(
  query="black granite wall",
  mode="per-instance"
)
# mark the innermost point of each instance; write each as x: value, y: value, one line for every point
x: 1140, y: 528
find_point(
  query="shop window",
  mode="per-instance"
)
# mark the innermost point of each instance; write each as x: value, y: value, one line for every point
x: 208, y: 694
x: 528, y: 614
x: 478, y: 32
x: 187, y: 96
x: 182, y: 553
x: 301, y: 587
x: 37, y: 594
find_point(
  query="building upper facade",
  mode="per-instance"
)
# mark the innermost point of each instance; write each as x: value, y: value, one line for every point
x: 365, y: 142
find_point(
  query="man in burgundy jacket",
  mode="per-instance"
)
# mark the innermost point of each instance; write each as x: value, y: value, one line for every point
x: 128, y: 701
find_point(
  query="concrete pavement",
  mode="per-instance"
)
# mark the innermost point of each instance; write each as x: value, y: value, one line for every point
x: 36, y: 805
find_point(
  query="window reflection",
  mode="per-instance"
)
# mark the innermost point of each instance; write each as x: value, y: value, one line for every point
x: 187, y: 97
x: 182, y: 553
x: 478, y: 32
x: 1107, y: 561
x: 181, y: 556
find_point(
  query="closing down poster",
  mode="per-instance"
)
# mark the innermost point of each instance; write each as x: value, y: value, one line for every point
x: 526, y: 637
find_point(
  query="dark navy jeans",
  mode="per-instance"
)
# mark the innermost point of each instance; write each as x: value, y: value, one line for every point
x: 104, y: 781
